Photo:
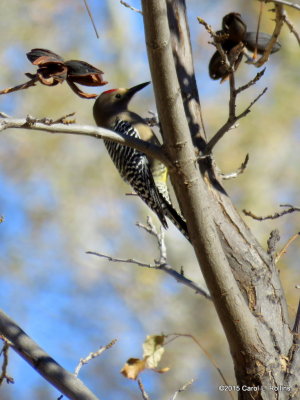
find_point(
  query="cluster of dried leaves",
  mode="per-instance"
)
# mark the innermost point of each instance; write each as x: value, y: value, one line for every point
x: 152, y: 353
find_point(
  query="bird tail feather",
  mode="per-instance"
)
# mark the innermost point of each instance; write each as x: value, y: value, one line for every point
x: 176, y: 218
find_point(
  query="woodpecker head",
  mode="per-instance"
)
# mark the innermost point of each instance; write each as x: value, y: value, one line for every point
x: 113, y: 102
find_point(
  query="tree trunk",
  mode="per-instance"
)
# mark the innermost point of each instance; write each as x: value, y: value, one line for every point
x: 241, y: 276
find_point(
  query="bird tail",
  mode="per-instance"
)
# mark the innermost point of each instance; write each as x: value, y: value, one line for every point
x: 176, y: 218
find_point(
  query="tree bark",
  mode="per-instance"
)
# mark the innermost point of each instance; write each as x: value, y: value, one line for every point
x: 67, y: 383
x: 240, y: 275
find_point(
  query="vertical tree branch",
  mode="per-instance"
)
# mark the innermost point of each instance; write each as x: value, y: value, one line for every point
x: 184, y: 64
x: 189, y: 184
x: 252, y: 312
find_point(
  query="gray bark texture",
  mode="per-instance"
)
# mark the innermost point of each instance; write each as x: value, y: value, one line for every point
x: 240, y: 274
x: 65, y: 382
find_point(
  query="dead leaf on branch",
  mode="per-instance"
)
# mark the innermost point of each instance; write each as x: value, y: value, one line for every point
x: 152, y: 353
x: 153, y: 350
x: 133, y: 367
x: 52, y: 70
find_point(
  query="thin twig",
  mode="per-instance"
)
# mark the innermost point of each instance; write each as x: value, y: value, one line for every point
x: 124, y: 260
x: 25, y: 85
x: 174, y: 336
x: 232, y: 98
x: 4, y: 352
x: 251, y: 82
x: 183, y: 388
x: 232, y: 119
x: 92, y: 355
x: 91, y: 17
x: 142, y: 389
x: 151, y: 229
x: 279, y: 20
x: 217, y: 43
x: 290, y: 210
x: 257, y: 31
x: 238, y: 172
x: 285, y: 247
x: 131, y: 8
x: 283, y: 2
x: 160, y: 264
x: 296, y: 327
x: 247, y: 110
x: 202, y: 118
x: 292, y: 28
x: 180, y: 278
x: 217, y: 39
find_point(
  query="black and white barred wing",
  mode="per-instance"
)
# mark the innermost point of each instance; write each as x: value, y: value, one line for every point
x: 134, y: 168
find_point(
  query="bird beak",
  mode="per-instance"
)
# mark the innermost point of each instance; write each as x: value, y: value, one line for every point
x: 135, y: 89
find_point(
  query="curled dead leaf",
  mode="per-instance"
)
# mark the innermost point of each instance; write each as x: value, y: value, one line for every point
x: 153, y: 350
x: 133, y: 367
x: 152, y: 353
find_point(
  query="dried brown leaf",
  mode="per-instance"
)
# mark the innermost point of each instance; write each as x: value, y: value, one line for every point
x: 133, y: 367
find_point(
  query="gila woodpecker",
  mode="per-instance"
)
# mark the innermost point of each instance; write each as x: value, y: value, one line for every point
x: 147, y: 176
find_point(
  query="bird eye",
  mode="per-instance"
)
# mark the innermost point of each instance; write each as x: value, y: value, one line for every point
x: 118, y: 96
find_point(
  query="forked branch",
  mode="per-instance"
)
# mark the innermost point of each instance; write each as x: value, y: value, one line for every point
x: 160, y: 264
